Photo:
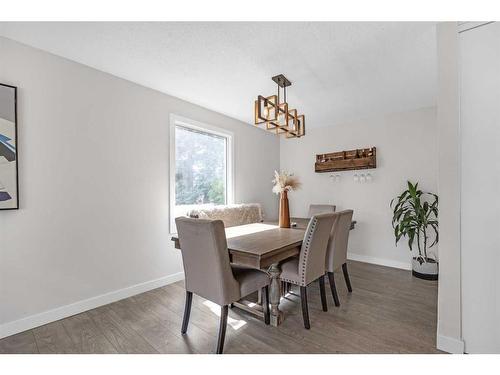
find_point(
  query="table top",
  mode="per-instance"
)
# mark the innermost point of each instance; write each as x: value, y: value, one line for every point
x: 262, y: 238
x: 261, y: 244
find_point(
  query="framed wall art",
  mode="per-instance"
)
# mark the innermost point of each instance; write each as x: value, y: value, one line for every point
x: 9, y: 181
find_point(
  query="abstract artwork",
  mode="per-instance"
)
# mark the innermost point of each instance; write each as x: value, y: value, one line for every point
x: 9, y: 198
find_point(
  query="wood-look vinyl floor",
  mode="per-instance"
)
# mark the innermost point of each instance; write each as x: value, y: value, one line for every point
x: 389, y: 311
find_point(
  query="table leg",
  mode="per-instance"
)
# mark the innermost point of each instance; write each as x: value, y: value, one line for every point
x: 275, y: 294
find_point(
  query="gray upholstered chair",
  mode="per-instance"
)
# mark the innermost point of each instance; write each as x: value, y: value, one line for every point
x: 315, y: 209
x: 336, y: 256
x: 310, y: 265
x: 209, y: 274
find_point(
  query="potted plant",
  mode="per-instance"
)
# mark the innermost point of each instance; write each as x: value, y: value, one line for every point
x: 415, y: 216
x: 283, y: 183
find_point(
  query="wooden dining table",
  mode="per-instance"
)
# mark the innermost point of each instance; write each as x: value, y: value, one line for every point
x: 263, y: 246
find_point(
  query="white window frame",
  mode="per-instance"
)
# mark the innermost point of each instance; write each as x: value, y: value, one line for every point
x: 205, y: 128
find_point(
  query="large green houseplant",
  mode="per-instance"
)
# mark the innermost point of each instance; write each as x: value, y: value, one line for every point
x: 415, y: 217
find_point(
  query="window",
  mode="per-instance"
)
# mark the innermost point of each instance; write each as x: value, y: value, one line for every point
x: 200, y: 167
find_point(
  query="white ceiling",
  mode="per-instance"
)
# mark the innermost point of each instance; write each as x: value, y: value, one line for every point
x: 340, y: 70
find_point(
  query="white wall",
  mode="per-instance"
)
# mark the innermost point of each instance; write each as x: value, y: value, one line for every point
x: 406, y: 149
x: 94, y: 180
x: 449, y: 335
x: 480, y: 181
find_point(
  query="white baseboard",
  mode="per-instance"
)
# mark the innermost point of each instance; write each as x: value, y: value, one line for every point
x: 11, y: 328
x: 450, y: 344
x: 379, y: 261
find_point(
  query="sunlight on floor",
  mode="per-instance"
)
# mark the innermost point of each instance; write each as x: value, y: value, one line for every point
x: 233, y: 323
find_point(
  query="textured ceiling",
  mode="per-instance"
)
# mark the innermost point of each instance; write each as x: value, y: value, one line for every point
x: 340, y: 70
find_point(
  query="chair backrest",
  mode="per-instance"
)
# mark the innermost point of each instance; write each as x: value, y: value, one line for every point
x: 313, y: 251
x: 205, y: 257
x: 315, y: 209
x: 337, y: 245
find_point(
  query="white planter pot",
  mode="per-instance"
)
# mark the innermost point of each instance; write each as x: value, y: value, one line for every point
x: 425, y: 270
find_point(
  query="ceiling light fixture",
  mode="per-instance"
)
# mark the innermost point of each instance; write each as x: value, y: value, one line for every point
x: 276, y: 116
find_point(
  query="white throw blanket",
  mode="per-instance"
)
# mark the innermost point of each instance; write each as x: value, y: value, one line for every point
x: 231, y: 215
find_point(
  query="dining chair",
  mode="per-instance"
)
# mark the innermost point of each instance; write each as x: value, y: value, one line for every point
x: 315, y: 209
x: 209, y: 273
x: 310, y: 265
x: 336, y: 255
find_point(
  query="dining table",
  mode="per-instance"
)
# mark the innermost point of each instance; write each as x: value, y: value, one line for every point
x: 264, y: 246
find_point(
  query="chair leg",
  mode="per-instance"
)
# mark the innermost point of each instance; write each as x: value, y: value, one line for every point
x: 322, y: 293
x: 187, y: 312
x: 284, y: 288
x: 335, y: 296
x: 265, y: 305
x: 222, y: 329
x: 305, y: 310
x: 346, y: 277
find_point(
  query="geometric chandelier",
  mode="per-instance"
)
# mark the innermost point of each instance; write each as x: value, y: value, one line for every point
x: 275, y: 115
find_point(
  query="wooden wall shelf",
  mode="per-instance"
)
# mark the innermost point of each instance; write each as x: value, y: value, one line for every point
x: 362, y: 158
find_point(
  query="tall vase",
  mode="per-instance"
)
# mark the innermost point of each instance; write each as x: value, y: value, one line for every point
x: 284, y: 210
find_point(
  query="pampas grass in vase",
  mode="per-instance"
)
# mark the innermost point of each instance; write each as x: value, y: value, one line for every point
x: 283, y: 183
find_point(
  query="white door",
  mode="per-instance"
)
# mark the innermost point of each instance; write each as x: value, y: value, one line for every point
x: 480, y: 196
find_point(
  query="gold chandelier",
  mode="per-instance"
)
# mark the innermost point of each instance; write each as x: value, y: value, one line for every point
x: 275, y: 114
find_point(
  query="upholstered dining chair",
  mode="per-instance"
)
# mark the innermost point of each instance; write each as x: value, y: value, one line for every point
x: 310, y: 265
x: 336, y: 255
x: 209, y: 274
x: 315, y: 209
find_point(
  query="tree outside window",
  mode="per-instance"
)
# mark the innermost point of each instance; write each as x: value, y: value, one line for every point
x: 200, y: 167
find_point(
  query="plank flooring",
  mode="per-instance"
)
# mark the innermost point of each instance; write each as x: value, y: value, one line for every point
x: 389, y: 311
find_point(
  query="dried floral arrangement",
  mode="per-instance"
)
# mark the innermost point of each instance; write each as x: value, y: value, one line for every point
x: 284, y: 181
